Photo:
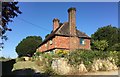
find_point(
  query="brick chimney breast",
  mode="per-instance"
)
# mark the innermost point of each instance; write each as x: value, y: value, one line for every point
x: 72, y: 20
x: 55, y: 23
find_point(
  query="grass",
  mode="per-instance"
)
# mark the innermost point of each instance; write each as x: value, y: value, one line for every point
x: 30, y: 68
x: 25, y: 65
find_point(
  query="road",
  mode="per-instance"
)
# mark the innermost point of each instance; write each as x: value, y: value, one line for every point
x: 115, y: 72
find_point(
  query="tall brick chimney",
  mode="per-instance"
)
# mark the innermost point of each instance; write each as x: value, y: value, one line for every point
x: 72, y: 20
x: 55, y: 23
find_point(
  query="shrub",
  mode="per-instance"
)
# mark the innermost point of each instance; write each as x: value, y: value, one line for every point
x: 49, y: 71
x: 38, y: 53
x: 115, y: 57
x: 118, y: 63
x: 100, y: 45
x: 115, y: 47
x: 47, y: 58
x: 46, y: 63
x: 88, y: 56
x: 62, y: 53
x: 77, y: 56
x: 39, y: 62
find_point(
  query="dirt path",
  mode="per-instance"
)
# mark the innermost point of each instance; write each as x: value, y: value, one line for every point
x: 115, y: 72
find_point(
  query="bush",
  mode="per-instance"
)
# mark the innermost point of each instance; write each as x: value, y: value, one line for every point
x: 20, y: 59
x: 88, y: 56
x: 115, y: 47
x: 39, y: 62
x: 100, y: 45
x: 118, y: 63
x: 76, y: 57
x: 114, y: 57
x: 62, y: 53
x: 49, y: 71
x: 46, y: 62
x: 38, y: 53
x: 48, y: 58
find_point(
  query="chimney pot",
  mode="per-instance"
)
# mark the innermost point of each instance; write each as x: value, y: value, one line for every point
x: 72, y: 8
x: 56, y: 19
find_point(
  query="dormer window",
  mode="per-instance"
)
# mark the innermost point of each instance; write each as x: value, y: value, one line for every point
x: 51, y: 42
x: 82, y: 41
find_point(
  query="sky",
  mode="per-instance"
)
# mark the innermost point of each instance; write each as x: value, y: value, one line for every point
x: 36, y: 20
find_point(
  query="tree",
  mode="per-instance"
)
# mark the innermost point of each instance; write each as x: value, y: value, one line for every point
x: 115, y: 47
x: 108, y: 33
x: 47, y: 35
x: 28, y: 46
x: 100, y: 45
x: 9, y: 11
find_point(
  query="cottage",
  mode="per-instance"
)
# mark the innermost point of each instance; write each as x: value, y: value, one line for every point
x: 65, y: 36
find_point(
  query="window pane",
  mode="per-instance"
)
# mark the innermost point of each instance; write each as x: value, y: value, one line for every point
x: 82, y: 41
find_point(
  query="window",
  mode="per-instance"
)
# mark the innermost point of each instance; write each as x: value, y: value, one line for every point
x: 51, y: 42
x: 45, y: 45
x: 82, y: 41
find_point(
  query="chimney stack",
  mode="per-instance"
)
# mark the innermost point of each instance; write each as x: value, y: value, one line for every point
x: 55, y: 23
x: 72, y: 20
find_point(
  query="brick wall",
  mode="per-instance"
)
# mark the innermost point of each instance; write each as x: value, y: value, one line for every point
x: 47, y: 46
x: 62, y: 42
x: 71, y: 43
x: 86, y: 46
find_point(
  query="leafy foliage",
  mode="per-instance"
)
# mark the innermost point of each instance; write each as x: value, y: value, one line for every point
x: 88, y: 56
x: 108, y: 33
x: 75, y: 58
x: 9, y: 10
x: 47, y: 35
x: 115, y: 47
x: 45, y: 60
x: 28, y: 46
x: 62, y: 53
x: 114, y: 57
x: 100, y: 45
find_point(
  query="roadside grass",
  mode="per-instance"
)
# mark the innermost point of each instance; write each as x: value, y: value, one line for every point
x: 27, y: 64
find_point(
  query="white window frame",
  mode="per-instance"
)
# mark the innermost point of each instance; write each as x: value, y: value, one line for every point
x: 51, y: 42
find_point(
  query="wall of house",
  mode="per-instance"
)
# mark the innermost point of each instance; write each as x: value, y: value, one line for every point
x: 71, y: 43
x: 62, y: 42
x: 57, y: 42
x: 75, y: 43
x: 51, y: 44
x: 42, y: 48
x: 86, y: 45
x: 47, y: 46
